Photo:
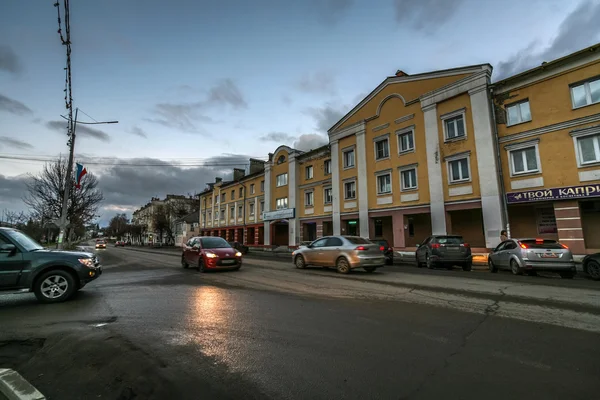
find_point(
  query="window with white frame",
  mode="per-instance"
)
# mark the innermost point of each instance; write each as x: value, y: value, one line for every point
x: 455, y: 127
x: 348, y: 158
x: 327, y: 167
x: 308, y: 171
x: 251, y: 206
x: 459, y: 170
x: 350, y: 190
x: 262, y: 207
x: 586, y: 93
x: 588, y: 148
x: 233, y: 194
x: 240, y: 211
x: 408, y: 178
x: 241, y: 192
x: 382, y: 148
x: 232, y: 212
x: 309, y: 199
x: 282, y: 179
x: 524, y: 160
x: 223, y: 197
x: 406, y: 141
x: 252, y: 188
x: 222, y: 214
x: 217, y: 215
x: 209, y: 217
x: 281, y: 203
x: 262, y: 186
x: 327, y: 195
x: 384, y: 183
x: 518, y: 112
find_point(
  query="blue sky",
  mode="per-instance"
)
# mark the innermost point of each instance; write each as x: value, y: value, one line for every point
x: 231, y: 79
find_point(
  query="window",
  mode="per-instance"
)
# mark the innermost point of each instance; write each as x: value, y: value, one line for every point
x: 588, y: 148
x: 349, y: 158
x: 524, y: 161
x: 406, y: 141
x: 216, y: 215
x: 281, y: 159
x: 350, y: 190
x: 459, y: 170
x: 232, y: 212
x: 309, y: 199
x: 455, y: 127
x: 262, y: 186
x: 378, y: 227
x: 241, y: 192
x: 408, y: 178
x: 233, y: 194
x: 319, y: 243
x: 209, y: 216
x: 309, y: 172
x: 222, y: 214
x: 223, y: 197
x: 251, y: 209
x: 262, y: 207
x: 586, y: 93
x: 281, y: 203
x: 252, y: 188
x: 334, y: 242
x: 282, y: 179
x: 240, y: 211
x: 382, y: 149
x: 384, y: 184
x: 517, y: 113
x: 327, y: 167
x: 328, y: 195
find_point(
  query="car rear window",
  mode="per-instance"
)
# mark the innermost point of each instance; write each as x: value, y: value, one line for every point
x: 214, y: 243
x: 542, y: 244
x: 380, y: 242
x: 357, y: 240
x: 449, y: 240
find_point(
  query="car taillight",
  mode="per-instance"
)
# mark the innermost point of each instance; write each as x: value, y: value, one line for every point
x: 382, y: 248
x: 361, y: 248
x: 523, y: 245
x: 564, y: 246
x: 465, y: 245
x: 435, y: 246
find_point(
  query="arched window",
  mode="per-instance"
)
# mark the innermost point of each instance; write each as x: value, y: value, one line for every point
x: 281, y: 159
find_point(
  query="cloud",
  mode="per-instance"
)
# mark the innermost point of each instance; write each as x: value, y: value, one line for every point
x: 278, y: 137
x: 12, y: 188
x: 287, y: 100
x: 325, y: 117
x: 14, y: 106
x: 578, y: 30
x: 9, y: 61
x: 425, y: 15
x: 310, y: 141
x: 136, y: 130
x: 14, y: 143
x: 186, y: 116
x: 332, y: 11
x: 81, y: 130
x: 320, y: 82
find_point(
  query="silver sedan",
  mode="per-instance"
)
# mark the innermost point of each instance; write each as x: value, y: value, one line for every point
x: 343, y: 252
x: 531, y: 255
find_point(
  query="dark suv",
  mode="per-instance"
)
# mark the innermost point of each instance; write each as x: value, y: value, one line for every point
x: 54, y: 276
x: 445, y: 251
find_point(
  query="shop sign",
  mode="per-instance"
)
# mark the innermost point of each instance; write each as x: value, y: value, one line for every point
x: 546, y: 221
x: 286, y: 213
x: 564, y: 193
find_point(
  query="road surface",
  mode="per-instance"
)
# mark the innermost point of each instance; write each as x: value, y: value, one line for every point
x: 150, y: 329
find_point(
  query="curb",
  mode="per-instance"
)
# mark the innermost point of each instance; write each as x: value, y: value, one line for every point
x: 14, y: 387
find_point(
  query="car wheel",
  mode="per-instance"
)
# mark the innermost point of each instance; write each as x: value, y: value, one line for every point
x: 299, y: 261
x: 200, y: 266
x: 515, y: 269
x: 493, y: 269
x: 370, y: 269
x: 467, y: 266
x: 54, y: 286
x: 184, y: 264
x: 593, y: 270
x: 342, y: 265
x: 567, y: 275
x: 428, y: 261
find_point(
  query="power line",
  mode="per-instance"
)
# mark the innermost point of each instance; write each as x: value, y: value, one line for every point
x: 88, y: 115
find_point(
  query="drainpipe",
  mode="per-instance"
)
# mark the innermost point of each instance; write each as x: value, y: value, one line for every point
x: 499, y: 161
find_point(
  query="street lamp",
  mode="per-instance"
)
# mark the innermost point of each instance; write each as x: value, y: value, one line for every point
x: 65, y: 201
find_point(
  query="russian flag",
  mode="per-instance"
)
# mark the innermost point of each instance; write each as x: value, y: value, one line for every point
x: 80, y: 174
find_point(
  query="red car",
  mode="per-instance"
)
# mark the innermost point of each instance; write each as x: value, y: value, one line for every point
x: 210, y: 252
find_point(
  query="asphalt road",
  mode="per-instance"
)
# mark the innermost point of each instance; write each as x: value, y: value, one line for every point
x: 150, y: 329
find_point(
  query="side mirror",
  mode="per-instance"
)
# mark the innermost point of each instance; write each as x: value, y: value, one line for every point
x: 418, y: 245
x: 7, y: 248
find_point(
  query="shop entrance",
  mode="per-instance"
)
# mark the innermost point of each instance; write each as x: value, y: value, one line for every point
x: 468, y: 224
x: 309, y: 231
x: 280, y: 233
x: 351, y: 227
x: 327, y: 228
x: 590, y: 221
x: 382, y: 228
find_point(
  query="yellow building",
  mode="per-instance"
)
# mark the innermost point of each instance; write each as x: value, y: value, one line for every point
x: 548, y: 122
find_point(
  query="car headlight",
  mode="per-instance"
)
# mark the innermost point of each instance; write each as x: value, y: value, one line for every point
x: 211, y: 255
x: 88, y: 262
x: 238, y: 254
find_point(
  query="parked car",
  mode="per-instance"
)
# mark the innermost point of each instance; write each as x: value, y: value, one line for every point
x: 210, y: 252
x: 591, y: 266
x: 100, y: 244
x: 119, y: 243
x: 388, y: 252
x: 531, y: 255
x: 242, y: 248
x: 54, y: 276
x: 343, y: 252
x: 444, y: 251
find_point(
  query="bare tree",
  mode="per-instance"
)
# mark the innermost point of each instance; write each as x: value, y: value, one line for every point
x: 160, y: 220
x: 45, y: 192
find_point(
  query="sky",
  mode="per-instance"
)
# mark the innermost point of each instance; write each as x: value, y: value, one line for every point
x: 198, y: 86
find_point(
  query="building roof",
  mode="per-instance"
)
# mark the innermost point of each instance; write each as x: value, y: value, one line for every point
x: 191, y: 217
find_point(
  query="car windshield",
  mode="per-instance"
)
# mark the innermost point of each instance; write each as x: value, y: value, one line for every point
x: 357, y: 240
x: 450, y: 240
x: 542, y: 244
x: 100, y: 242
x: 214, y: 243
x: 24, y: 241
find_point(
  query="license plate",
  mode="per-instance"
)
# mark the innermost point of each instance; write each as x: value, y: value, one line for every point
x: 228, y: 262
x: 549, y: 255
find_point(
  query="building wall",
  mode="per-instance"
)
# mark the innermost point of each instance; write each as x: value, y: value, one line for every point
x: 277, y: 169
x: 317, y: 184
x: 347, y: 206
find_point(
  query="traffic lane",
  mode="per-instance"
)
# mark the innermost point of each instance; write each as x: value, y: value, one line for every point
x: 252, y: 343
